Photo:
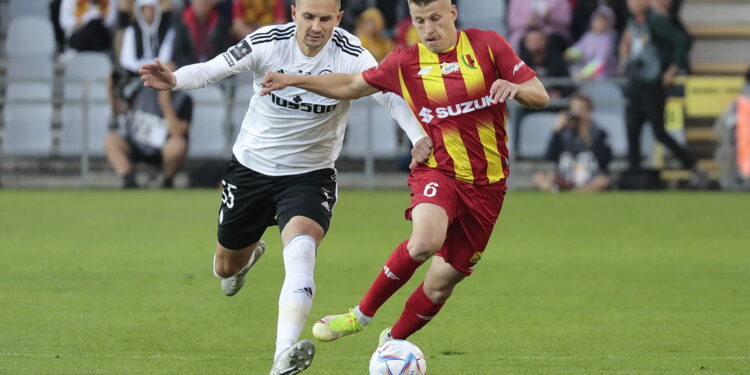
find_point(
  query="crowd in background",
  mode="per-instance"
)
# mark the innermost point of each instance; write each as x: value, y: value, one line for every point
x: 576, y: 38
x: 581, y: 40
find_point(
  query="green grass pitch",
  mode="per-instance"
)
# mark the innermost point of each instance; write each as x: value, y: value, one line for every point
x: 110, y: 282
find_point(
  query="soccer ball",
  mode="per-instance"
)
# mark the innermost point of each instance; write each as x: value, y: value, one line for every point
x: 398, y: 357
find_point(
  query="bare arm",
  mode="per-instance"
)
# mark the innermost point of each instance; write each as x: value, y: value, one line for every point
x: 335, y: 85
x: 530, y: 94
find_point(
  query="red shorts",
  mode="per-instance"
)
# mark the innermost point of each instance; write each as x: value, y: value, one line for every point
x: 472, y: 213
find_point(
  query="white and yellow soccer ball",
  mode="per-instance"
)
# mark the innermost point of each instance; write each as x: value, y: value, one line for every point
x: 398, y: 357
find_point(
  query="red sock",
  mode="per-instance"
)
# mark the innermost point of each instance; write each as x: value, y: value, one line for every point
x: 397, y: 271
x: 419, y: 310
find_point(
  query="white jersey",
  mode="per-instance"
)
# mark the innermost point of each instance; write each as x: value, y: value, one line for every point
x: 292, y: 131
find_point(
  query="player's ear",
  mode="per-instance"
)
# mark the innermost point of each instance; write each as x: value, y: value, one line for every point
x: 454, y: 12
x: 339, y: 17
x: 294, y: 12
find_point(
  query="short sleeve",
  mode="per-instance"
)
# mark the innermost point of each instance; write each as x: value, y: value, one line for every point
x: 385, y: 77
x: 508, y: 64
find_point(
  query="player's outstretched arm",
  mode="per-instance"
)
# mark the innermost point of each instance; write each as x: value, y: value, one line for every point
x: 157, y: 76
x: 530, y: 94
x: 335, y: 85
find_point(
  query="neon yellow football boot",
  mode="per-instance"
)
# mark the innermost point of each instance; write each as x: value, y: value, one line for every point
x: 333, y: 327
x: 385, y: 336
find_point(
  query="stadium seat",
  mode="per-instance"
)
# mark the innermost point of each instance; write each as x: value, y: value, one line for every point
x: 384, y: 137
x: 207, y: 129
x: 614, y: 124
x: 38, y: 8
x: 28, y: 118
x: 606, y: 96
x: 534, y: 134
x: 95, y: 67
x: 30, y: 37
x: 23, y: 68
x: 483, y: 14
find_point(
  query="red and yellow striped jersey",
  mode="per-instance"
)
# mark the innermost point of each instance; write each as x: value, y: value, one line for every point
x: 449, y: 93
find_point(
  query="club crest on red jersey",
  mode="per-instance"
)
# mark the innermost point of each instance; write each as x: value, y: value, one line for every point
x: 470, y: 60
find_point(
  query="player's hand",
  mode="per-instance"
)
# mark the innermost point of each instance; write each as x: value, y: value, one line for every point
x: 502, y: 90
x: 274, y: 81
x: 157, y: 76
x: 420, y: 152
x: 562, y: 121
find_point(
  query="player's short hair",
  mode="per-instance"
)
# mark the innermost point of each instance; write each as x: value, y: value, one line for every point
x: 338, y: 2
x: 585, y: 99
x: 423, y: 2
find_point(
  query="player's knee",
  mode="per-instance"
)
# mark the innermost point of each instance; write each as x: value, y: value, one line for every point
x: 438, y: 293
x: 224, y: 268
x: 421, y: 249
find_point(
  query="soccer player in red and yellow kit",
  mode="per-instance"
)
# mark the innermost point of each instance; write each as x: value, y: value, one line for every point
x: 456, y: 83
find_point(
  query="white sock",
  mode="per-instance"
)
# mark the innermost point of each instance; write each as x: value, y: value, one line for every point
x: 362, y: 318
x: 297, y: 292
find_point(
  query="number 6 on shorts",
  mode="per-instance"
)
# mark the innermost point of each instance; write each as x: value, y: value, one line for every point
x: 431, y: 189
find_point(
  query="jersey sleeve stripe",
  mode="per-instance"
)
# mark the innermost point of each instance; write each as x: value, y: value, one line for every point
x: 346, y: 50
x: 272, y: 39
x: 273, y: 31
x: 345, y: 41
x: 269, y: 37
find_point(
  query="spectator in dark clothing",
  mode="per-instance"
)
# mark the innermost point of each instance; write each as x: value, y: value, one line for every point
x: 580, y: 151
x: 670, y: 9
x: 652, y: 52
x: 148, y: 37
x: 545, y: 61
x: 154, y: 130
x: 88, y: 23
x: 200, y: 33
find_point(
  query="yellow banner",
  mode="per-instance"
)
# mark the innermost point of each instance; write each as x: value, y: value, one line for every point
x: 710, y: 96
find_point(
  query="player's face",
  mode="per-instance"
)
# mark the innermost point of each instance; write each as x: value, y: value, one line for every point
x: 436, y: 24
x: 315, y: 21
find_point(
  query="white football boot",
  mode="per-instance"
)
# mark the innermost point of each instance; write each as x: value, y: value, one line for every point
x: 232, y: 284
x: 295, y: 359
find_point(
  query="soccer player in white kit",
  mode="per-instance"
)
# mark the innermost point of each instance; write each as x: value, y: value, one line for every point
x: 282, y: 167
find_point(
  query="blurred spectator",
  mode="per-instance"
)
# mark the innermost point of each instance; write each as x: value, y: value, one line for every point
x: 733, y: 151
x: 200, y: 33
x: 87, y: 23
x: 125, y: 19
x: 54, y: 14
x: 546, y: 62
x: 652, y: 52
x: 370, y: 30
x: 150, y: 36
x: 154, y: 130
x: 406, y: 34
x: 483, y: 15
x: 250, y: 15
x: 552, y: 16
x: 593, y: 56
x: 667, y: 8
x: 584, y: 9
x: 580, y: 150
